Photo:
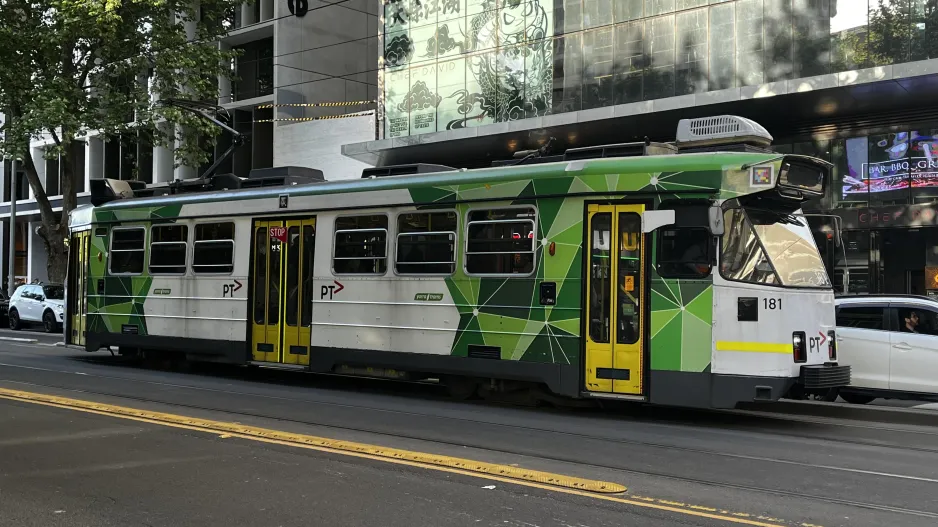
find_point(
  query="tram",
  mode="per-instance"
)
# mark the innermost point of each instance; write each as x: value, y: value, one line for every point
x: 675, y: 274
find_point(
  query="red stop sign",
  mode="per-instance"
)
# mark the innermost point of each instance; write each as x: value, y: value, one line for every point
x: 279, y: 233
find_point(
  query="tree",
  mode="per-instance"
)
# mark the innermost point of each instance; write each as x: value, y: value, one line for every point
x: 68, y: 67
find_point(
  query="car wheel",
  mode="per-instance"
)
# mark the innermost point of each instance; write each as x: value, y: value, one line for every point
x: 853, y: 398
x: 14, y: 318
x: 48, y: 322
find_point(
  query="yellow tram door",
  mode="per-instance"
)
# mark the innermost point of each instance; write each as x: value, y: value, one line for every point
x: 267, y: 269
x: 298, y: 290
x: 282, y: 270
x: 78, y: 287
x: 615, y: 311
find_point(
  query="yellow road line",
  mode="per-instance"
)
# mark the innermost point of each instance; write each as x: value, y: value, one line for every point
x: 753, y: 347
x: 530, y: 478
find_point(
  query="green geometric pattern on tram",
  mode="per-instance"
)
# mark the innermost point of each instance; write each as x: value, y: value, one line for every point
x: 681, y: 324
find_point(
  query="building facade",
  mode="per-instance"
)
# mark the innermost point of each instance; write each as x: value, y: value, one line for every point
x: 326, y: 55
x: 468, y: 82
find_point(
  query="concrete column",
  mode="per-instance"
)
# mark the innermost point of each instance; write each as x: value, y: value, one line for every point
x: 94, y: 161
x: 37, y: 258
x: 163, y: 160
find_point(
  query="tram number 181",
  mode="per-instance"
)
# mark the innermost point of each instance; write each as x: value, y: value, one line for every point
x: 772, y: 303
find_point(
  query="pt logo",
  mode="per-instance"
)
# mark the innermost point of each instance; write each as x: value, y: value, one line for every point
x: 330, y: 290
x: 815, y: 343
x: 228, y: 290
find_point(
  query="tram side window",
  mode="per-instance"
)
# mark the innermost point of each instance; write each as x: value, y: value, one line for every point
x: 684, y: 252
x: 361, y: 245
x: 426, y: 243
x: 501, y: 241
x: 213, y: 250
x: 168, y: 247
x: 127, y: 250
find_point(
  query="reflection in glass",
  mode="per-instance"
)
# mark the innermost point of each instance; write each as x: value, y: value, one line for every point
x: 659, y: 50
x: 750, y: 46
x: 691, y: 59
x: 600, y: 277
x: 923, y: 160
x: 629, y: 61
x: 778, y: 42
x: 887, y: 172
x: 722, y: 46
x: 742, y: 257
x: 260, y: 272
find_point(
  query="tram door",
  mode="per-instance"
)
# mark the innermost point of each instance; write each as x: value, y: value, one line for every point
x: 615, y: 355
x: 77, y: 287
x: 282, y: 271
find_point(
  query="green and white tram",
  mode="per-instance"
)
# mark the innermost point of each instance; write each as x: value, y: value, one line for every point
x: 679, y: 274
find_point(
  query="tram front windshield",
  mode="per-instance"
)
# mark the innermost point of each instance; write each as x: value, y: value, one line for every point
x: 771, y: 247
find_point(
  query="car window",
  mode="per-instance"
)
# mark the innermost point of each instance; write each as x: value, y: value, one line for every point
x: 918, y: 320
x: 860, y: 317
x: 54, y: 292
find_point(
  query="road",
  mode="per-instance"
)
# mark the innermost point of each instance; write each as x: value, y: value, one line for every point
x: 67, y: 466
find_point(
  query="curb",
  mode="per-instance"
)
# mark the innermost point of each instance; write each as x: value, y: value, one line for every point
x: 18, y: 339
x: 880, y: 414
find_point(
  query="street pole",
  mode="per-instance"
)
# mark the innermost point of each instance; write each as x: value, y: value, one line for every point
x: 13, y: 177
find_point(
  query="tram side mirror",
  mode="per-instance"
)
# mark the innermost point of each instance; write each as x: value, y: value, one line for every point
x: 715, y: 216
x: 652, y: 219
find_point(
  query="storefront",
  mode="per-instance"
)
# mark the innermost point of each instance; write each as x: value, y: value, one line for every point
x: 884, y: 189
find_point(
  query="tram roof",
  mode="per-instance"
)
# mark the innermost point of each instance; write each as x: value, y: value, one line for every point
x: 702, y: 161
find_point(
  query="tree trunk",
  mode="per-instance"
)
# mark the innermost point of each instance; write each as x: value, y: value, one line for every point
x: 52, y: 229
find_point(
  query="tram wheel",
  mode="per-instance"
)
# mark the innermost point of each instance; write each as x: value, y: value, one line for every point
x: 461, y: 388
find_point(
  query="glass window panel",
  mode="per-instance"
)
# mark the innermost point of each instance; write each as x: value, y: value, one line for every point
x: 811, y: 28
x: 778, y: 43
x: 722, y: 47
x: 568, y: 70
x: 598, y: 71
x: 629, y: 61
x: 600, y: 276
x: 924, y: 30
x: 597, y: 13
x: 260, y: 274
x: 501, y: 241
x: 849, y: 35
x: 361, y: 245
x: 659, y: 50
x: 889, y: 32
x: 629, y: 306
x: 691, y: 70
x: 293, y: 275
x: 853, y: 259
x: 683, y: 252
x: 658, y: 7
x: 309, y: 246
x: 860, y: 317
x: 628, y: 10
x: 750, y: 48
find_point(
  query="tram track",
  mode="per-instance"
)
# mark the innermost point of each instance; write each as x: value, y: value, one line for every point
x: 536, y: 455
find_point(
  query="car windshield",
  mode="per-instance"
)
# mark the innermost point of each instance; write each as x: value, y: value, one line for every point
x: 54, y: 292
x: 771, y: 247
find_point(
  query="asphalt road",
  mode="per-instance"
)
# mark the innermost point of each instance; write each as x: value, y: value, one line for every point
x: 108, y: 471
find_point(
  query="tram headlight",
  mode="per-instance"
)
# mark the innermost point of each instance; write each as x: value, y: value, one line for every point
x: 832, y: 345
x: 799, y: 346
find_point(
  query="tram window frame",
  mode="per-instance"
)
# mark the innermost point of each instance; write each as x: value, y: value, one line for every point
x: 178, y: 270
x: 199, y: 245
x: 678, y: 263
x: 112, y: 251
x: 468, y: 239
x: 453, y: 240
x: 336, y: 231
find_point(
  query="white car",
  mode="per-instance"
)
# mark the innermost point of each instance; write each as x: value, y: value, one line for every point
x: 891, y: 345
x: 38, y: 304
